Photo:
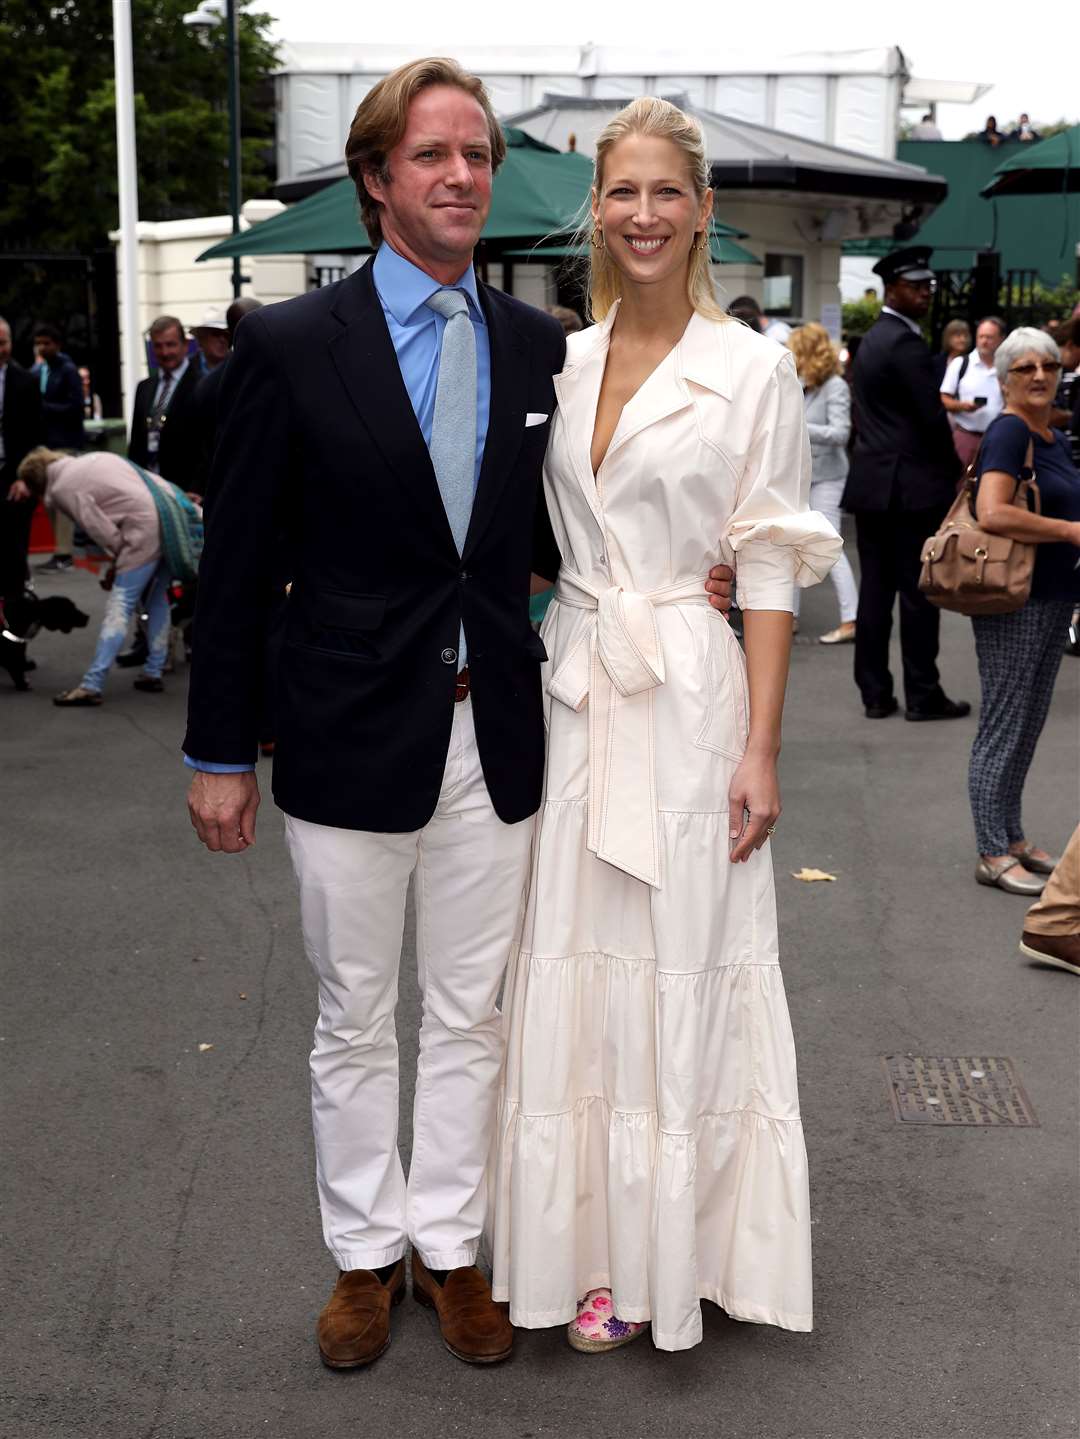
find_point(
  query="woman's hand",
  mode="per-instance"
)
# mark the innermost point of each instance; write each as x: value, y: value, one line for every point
x: 754, y: 788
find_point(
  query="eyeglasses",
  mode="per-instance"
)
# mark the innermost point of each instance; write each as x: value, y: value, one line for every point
x: 1048, y: 367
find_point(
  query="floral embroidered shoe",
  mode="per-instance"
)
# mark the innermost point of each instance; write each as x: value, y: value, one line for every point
x: 597, y: 1328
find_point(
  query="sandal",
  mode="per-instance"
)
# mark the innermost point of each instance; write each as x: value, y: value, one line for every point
x: 597, y: 1329
x: 78, y: 698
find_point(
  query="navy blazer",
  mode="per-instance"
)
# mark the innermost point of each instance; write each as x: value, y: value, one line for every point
x: 904, y: 456
x: 319, y: 450
x: 23, y: 421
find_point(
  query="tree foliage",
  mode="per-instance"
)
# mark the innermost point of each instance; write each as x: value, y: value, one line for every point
x: 58, y: 129
x: 859, y: 315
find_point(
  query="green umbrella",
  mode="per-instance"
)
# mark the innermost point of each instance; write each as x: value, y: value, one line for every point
x: 538, y: 193
x: 1050, y: 167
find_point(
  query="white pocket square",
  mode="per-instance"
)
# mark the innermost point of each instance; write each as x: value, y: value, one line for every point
x: 532, y: 419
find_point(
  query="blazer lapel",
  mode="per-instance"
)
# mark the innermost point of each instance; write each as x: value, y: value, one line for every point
x: 506, y: 414
x: 363, y: 355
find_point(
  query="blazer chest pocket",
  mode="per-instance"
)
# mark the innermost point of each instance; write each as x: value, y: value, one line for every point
x: 336, y: 622
x: 726, y: 709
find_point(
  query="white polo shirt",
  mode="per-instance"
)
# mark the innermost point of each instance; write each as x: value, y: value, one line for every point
x: 979, y: 379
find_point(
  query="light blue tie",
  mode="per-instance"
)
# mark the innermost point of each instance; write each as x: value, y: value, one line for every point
x: 453, y: 428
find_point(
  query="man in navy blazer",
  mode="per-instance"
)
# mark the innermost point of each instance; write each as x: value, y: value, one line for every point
x: 902, y: 479
x: 410, y: 735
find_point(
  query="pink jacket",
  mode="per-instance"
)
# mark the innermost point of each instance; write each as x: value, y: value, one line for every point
x: 110, y: 501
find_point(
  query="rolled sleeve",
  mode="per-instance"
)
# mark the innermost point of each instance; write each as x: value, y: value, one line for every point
x: 777, y: 540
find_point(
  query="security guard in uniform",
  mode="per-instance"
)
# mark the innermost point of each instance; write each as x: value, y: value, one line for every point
x: 903, y: 477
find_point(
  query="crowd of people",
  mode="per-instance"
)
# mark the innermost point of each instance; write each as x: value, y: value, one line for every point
x: 919, y: 428
x: 108, y: 498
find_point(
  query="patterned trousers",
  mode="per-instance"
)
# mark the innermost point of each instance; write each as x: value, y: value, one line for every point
x: 1018, y: 656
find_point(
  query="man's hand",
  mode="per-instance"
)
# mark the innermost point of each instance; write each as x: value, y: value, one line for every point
x: 719, y: 587
x: 222, y: 809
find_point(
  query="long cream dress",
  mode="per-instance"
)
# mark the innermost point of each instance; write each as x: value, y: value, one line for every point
x: 649, y: 1135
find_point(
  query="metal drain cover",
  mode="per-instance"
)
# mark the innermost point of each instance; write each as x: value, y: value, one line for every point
x: 976, y: 1090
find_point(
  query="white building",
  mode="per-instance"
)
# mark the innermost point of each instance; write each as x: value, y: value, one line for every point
x: 846, y: 98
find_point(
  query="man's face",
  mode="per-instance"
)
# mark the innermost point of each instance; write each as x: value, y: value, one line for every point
x: 987, y: 338
x: 47, y: 347
x: 5, y: 344
x: 1070, y: 356
x: 169, y: 348
x: 910, y: 297
x: 214, y: 344
x: 437, y: 198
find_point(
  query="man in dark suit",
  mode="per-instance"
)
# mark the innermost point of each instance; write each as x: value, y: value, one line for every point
x: 208, y: 391
x: 164, y: 432
x: 22, y: 427
x: 903, y: 477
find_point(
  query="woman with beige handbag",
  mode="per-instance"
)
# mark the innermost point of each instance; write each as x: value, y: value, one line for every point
x: 1019, y: 652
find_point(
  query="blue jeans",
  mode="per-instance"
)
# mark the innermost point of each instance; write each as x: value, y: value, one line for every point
x: 122, y: 604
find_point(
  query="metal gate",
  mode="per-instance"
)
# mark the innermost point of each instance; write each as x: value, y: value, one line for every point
x: 76, y: 292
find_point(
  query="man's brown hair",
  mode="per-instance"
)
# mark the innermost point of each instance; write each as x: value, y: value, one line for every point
x: 381, y: 118
x: 166, y: 322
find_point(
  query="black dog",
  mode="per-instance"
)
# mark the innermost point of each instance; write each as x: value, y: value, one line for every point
x: 20, y: 621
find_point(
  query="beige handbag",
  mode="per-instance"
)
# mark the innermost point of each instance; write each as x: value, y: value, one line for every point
x: 967, y: 569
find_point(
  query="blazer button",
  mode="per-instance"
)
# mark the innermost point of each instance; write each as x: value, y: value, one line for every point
x: 449, y: 656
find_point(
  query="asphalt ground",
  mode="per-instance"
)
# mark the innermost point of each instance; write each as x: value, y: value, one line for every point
x: 164, y: 1263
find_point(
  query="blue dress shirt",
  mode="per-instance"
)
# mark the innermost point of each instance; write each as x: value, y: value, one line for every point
x: 416, y: 333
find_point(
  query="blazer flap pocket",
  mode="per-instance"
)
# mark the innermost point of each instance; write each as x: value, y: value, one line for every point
x: 338, y: 610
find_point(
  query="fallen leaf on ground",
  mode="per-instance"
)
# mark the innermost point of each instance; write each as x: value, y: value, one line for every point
x: 809, y: 875
x: 204, y: 1047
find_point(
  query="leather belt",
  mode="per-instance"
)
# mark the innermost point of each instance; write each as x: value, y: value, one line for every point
x: 461, y: 689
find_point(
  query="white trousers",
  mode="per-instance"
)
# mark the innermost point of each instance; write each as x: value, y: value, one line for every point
x: 825, y: 497
x: 470, y: 873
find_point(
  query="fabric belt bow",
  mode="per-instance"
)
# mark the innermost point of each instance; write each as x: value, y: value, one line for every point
x: 615, y: 665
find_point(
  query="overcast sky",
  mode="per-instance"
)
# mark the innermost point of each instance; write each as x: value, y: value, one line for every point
x: 1029, y: 68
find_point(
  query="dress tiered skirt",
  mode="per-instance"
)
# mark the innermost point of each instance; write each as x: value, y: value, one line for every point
x: 649, y: 1132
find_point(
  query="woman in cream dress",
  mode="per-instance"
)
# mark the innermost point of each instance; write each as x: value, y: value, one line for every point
x: 650, y: 1151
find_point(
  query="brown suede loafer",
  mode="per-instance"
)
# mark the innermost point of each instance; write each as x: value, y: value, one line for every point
x: 354, y: 1328
x: 474, y: 1328
x: 1061, y: 950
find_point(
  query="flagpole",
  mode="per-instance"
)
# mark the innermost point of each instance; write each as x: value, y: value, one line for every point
x: 128, y: 194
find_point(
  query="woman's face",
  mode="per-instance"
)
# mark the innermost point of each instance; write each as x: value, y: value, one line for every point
x: 1032, y: 380
x: 960, y: 343
x: 647, y: 211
